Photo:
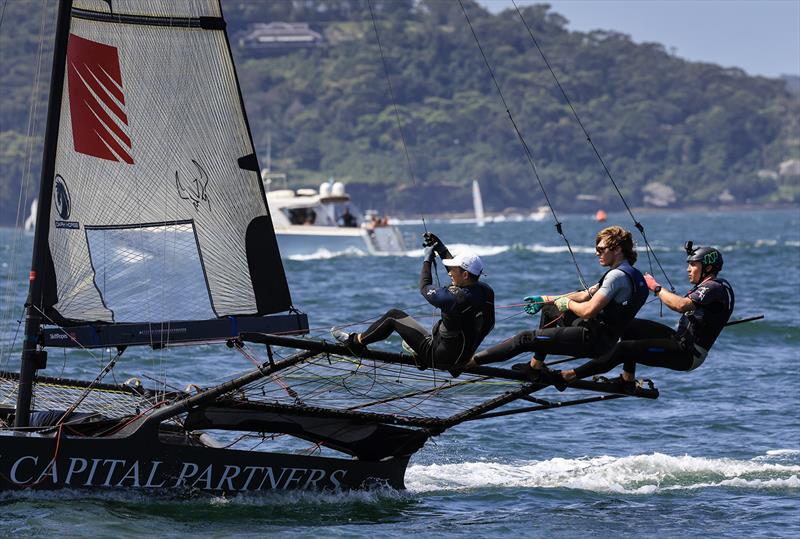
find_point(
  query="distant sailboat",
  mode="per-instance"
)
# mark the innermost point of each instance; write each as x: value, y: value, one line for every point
x: 30, y: 222
x: 477, y: 203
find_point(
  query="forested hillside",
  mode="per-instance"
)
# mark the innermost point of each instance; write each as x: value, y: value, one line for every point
x: 670, y: 131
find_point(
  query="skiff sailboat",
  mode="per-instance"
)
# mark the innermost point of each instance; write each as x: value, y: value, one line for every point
x: 153, y: 231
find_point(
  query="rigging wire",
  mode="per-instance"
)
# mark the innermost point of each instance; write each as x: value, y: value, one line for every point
x: 394, y: 104
x: 3, y: 14
x: 399, y: 122
x: 636, y: 222
x: 528, y: 152
x: 25, y: 179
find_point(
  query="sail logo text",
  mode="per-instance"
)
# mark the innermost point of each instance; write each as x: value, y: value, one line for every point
x: 30, y: 470
x: 97, y: 101
x: 63, y: 203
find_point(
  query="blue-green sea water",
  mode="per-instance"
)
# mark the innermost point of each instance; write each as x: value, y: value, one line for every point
x: 717, y: 455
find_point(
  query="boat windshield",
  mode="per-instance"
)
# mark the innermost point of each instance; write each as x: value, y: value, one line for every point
x: 334, y: 214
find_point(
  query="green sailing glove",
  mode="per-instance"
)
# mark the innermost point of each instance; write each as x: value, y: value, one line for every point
x: 534, y: 304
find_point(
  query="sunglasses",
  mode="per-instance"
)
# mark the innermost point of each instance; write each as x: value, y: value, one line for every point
x: 600, y: 250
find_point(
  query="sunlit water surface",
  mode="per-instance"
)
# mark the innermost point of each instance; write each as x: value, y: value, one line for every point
x: 717, y: 454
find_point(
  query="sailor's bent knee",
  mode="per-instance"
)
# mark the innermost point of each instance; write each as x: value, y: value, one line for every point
x: 396, y: 313
x: 524, y: 339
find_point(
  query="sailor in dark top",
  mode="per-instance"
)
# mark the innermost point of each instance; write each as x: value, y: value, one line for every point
x: 467, y: 308
x: 705, y: 310
x: 584, y: 323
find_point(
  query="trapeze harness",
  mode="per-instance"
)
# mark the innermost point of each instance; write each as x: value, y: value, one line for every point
x: 467, y: 317
x: 573, y: 336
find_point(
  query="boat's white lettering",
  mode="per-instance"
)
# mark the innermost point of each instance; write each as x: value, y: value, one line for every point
x: 205, y: 477
x: 14, y: 468
x: 89, y: 479
x: 336, y: 481
x: 271, y: 476
x: 184, y: 475
x: 149, y: 483
x: 74, y: 469
x: 50, y: 470
x: 313, y: 478
x: 131, y: 474
x: 113, y: 466
x: 292, y: 478
x: 250, y: 475
x: 98, y: 472
x: 230, y: 473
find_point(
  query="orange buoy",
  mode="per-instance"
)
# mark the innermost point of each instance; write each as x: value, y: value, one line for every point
x: 600, y: 216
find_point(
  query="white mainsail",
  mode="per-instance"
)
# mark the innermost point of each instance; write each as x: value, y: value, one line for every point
x: 158, y: 211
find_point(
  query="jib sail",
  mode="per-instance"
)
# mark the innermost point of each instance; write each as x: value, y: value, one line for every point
x: 157, y: 210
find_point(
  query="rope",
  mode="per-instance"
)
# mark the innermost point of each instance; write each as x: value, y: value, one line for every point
x: 394, y: 103
x: 399, y: 123
x: 25, y: 179
x: 636, y: 222
x: 528, y: 152
x: 108, y: 368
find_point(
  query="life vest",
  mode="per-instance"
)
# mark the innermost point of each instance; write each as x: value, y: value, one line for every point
x: 702, y: 326
x: 615, y: 317
x: 470, y: 323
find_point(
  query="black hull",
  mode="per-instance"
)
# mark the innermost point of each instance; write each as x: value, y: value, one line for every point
x: 141, y: 462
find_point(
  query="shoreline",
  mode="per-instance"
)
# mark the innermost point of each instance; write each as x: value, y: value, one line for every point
x: 509, y: 212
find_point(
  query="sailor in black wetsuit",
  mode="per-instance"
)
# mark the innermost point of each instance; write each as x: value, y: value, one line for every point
x: 467, y: 307
x: 705, y: 310
x: 584, y: 323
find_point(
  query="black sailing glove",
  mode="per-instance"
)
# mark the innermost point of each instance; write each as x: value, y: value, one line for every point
x: 429, y: 239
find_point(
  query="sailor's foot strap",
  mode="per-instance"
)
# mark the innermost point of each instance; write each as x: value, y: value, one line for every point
x: 542, y: 376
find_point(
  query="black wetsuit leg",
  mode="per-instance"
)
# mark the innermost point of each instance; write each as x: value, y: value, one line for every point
x: 395, y: 320
x: 569, y: 341
x: 644, y: 342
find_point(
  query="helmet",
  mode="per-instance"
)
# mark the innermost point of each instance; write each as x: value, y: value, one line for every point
x: 709, y: 256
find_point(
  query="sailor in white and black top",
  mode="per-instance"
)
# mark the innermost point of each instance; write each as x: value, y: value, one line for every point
x: 467, y: 308
x: 705, y: 310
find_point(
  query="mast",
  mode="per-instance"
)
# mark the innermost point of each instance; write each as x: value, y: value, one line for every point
x: 32, y: 359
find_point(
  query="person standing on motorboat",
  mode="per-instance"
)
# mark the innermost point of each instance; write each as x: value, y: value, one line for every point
x: 467, y: 313
x: 584, y: 323
x: 705, y: 310
x: 348, y: 219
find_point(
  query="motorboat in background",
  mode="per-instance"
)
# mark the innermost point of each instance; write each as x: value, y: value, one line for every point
x: 308, y: 221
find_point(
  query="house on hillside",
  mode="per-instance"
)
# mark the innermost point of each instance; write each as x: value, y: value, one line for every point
x: 280, y: 36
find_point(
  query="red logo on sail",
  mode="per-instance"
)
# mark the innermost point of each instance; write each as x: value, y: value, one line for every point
x: 96, y: 100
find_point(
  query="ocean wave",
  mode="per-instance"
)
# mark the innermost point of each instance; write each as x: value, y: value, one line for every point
x: 637, y: 474
x: 282, y: 499
x: 779, y: 452
x: 455, y: 248
x: 492, y: 250
x: 324, y: 254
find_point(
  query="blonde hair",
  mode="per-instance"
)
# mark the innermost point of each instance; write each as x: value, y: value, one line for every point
x: 616, y: 236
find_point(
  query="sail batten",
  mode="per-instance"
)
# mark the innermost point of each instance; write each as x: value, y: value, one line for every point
x: 158, y: 211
